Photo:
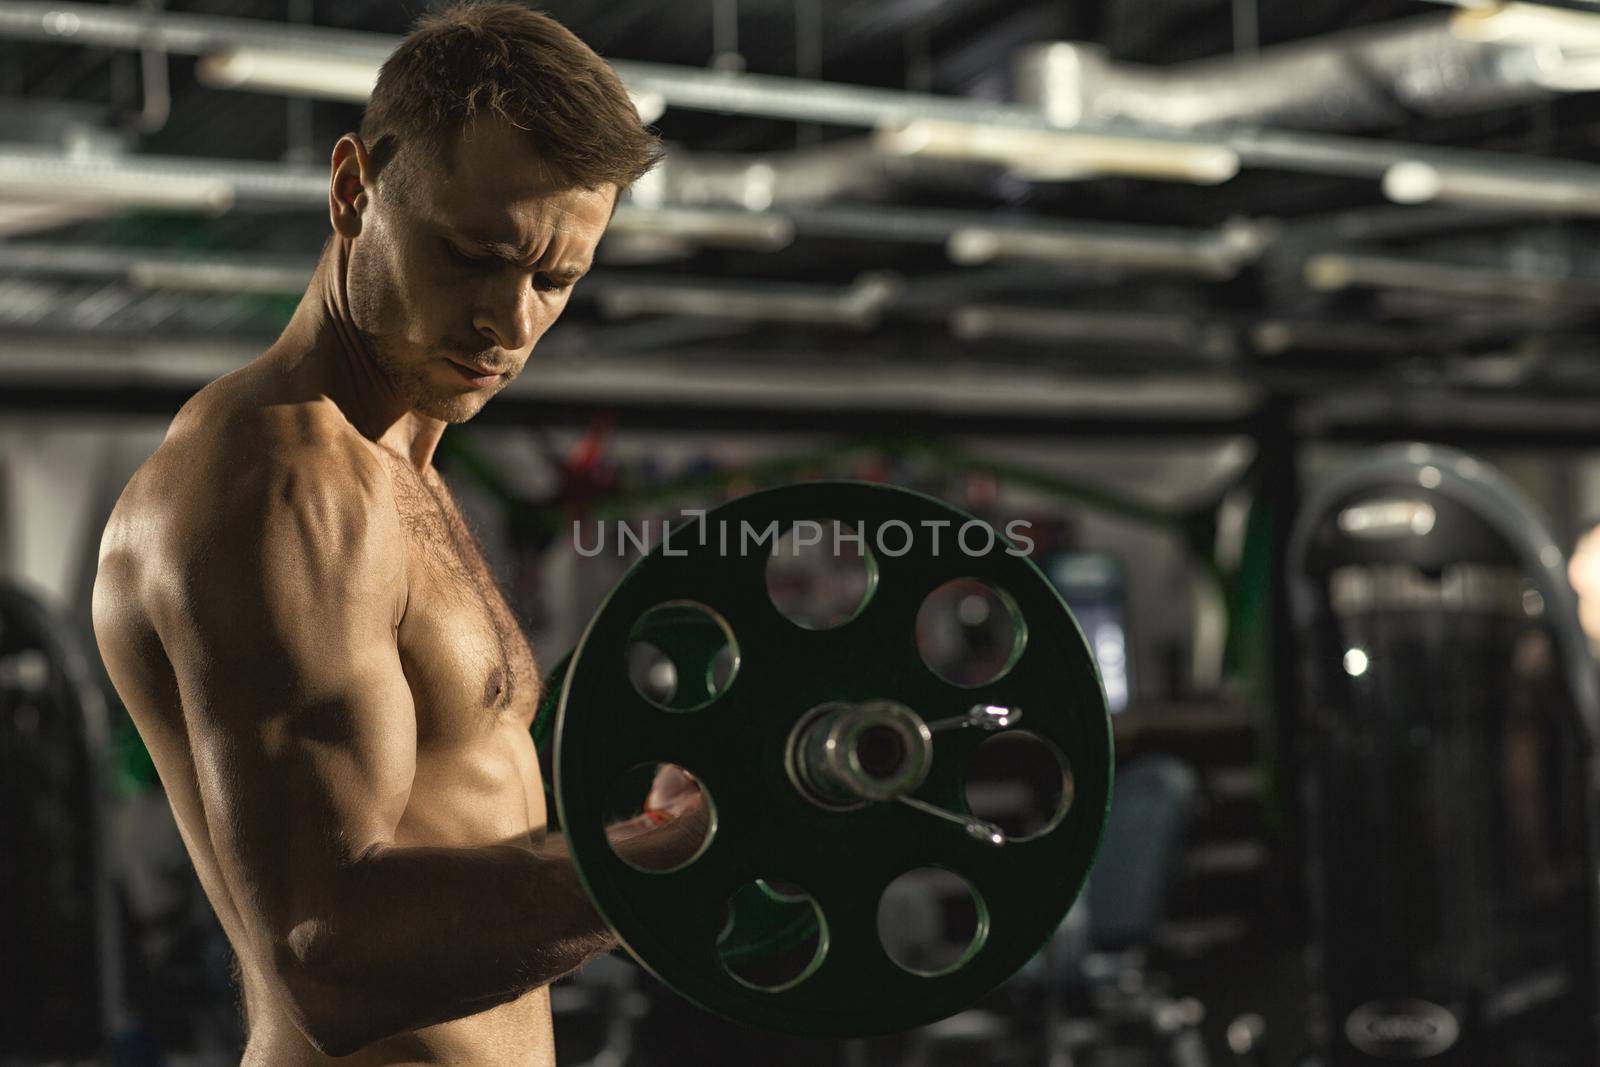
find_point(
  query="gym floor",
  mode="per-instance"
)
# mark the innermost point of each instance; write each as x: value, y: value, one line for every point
x: 1264, y: 329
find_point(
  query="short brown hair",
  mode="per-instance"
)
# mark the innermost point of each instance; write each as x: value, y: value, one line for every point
x: 475, y: 58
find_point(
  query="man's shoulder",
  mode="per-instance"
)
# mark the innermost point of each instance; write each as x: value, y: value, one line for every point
x: 273, y: 505
x: 245, y: 438
x: 229, y: 467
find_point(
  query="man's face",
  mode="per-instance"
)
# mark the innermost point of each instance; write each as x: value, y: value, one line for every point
x: 452, y: 283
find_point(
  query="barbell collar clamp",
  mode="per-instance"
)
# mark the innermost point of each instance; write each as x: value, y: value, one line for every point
x: 988, y: 717
x: 987, y: 832
x: 843, y: 755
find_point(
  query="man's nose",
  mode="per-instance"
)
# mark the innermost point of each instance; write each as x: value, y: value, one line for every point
x: 508, y: 312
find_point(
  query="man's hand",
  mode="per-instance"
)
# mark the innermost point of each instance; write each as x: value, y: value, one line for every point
x: 1583, y: 571
x: 671, y: 829
x: 673, y: 790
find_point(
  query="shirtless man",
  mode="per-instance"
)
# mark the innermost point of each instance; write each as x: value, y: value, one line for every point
x: 289, y: 603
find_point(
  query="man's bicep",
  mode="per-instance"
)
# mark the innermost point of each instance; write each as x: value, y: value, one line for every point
x: 299, y: 714
x: 294, y: 799
x: 330, y: 766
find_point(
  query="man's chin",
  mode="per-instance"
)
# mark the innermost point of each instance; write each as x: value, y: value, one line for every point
x: 451, y: 409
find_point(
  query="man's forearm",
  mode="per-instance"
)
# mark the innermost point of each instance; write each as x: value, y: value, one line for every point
x: 421, y: 935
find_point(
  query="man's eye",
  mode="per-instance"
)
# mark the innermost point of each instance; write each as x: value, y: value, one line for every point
x: 464, y: 259
x: 547, y: 284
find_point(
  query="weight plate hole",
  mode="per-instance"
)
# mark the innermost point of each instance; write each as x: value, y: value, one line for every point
x: 820, y: 574
x: 881, y: 751
x: 969, y: 633
x: 931, y: 921
x: 681, y: 656
x: 662, y: 787
x: 1021, y: 782
x: 773, y: 935
x: 652, y: 673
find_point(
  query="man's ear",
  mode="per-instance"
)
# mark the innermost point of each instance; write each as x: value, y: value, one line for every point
x: 349, y: 185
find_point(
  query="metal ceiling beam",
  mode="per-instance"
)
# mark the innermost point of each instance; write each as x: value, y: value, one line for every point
x: 208, y: 185
x: 152, y: 268
x: 812, y: 101
x: 1337, y: 271
x: 970, y: 237
x: 194, y: 35
x: 1406, y: 67
x: 51, y: 378
x: 860, y: 305
x: 1216, y: 254
x: 1121, y: 330
x: 861, y: 393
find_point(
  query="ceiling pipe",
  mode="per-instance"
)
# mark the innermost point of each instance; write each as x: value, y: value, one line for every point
x: 843, y: 168
x: 1217, y: 254
x: 1184, y: 333
x: 969, y: 237
x: 17, y: 217
x: 691, y: 380
x: 325, y: 76
x: 1366, y: 78
x: 214, y: 186
x: 208, y: 185
x: 244, y: 53
x: 1416, y: 182
x: 803, y: 101
x: 759, y: 231
x: 1061, y: 154
x: 1275, y: 337
x: 860, y: 305
x: 1489, y: 20
x: 158, y: 269
x: 1338, y: 271
x: 195, y: 35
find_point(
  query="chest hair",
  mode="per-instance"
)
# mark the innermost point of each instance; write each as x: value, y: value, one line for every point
x: 456, y: 574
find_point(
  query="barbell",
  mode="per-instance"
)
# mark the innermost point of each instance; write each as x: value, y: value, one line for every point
x: 834, y: 759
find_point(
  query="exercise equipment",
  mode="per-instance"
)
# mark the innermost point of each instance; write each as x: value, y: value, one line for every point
x: 61, y: 992
x: 833, y: 762
x: 1450, y: 732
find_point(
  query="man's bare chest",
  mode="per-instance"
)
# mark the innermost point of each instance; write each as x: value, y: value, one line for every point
x: 464, y: 655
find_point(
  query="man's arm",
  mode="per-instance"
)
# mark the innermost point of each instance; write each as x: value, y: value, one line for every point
x: 304, y: 739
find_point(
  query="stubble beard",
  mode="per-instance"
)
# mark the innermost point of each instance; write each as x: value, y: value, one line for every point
x: 410, y: 379
x: 407, y: 369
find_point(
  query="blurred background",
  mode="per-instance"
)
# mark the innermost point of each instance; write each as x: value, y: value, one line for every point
x: 1156, y: 276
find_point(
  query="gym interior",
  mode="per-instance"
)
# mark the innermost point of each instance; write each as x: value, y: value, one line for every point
x: 1243, y: 352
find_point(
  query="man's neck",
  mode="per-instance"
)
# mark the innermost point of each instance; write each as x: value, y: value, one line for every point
x: 322, y: 349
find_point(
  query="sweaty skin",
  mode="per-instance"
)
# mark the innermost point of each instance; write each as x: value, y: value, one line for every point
x: 335, y: 694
